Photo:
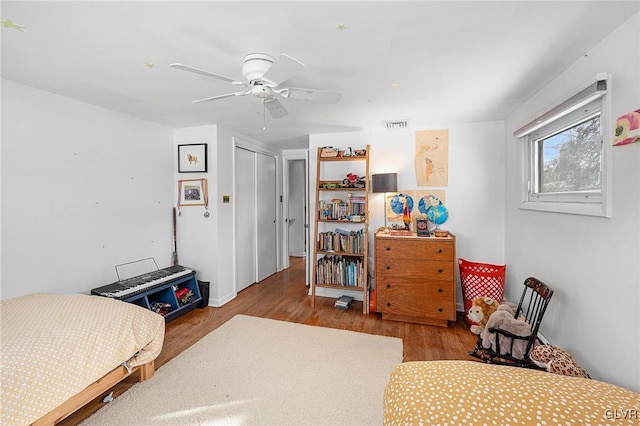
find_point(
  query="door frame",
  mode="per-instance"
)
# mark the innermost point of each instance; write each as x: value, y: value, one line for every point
x: 287, y: 156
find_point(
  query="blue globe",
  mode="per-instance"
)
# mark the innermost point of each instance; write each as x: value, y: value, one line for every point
x: 437, y: 214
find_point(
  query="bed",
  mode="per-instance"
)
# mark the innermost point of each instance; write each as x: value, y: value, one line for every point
x: 58, y: 352
x: 470, y: 392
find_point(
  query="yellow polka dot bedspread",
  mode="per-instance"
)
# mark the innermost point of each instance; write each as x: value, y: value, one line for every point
x: 54, y: 346
x: 473, y: 393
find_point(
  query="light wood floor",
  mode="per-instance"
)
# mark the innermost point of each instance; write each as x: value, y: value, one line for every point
x: 284, y: 296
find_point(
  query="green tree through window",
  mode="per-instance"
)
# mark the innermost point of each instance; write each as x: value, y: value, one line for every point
x: 571, y: 159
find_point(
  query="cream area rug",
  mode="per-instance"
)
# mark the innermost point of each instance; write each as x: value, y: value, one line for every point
x: 256, y: 371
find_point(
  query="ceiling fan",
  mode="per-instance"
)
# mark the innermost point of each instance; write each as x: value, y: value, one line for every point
x: 263, y: 76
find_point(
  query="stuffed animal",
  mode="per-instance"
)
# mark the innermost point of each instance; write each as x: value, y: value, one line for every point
x: 557, y: 361
x: 354, y: 181
x: 503, y: 319
x: 480, y: 311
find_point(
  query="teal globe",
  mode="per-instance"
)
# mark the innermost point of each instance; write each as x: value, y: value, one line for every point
x: 437, y: 214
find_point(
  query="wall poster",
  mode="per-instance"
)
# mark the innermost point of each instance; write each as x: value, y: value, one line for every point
x: 418, y: 201
x: 432, y: 157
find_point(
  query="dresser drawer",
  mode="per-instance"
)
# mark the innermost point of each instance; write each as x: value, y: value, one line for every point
x: 426, y: 299
x: 432, y: 249
x: 415, y: 269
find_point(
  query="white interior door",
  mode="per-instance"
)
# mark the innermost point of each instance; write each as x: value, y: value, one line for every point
x: 245, y: 194
x: 266, y: 215
x: 296, y: 213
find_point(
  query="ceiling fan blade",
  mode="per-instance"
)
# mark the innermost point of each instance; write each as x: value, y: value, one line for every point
x: 282, y: 70
x: 275, y: 108
x: 325, y: 96
x: 215, y: 98
x: 205, y: 73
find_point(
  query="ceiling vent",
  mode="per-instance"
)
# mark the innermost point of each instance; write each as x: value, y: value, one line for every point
x: 396, y: 124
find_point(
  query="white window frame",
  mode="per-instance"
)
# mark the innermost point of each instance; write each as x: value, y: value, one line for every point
x: 582, y: 105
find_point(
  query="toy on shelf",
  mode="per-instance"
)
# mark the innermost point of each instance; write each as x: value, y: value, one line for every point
x: 184, y: 295
x: 328, y: 152
x: 354, y: 181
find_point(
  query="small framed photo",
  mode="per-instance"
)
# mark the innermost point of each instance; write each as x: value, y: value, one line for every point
x: 192, y: 158
x: 192, y: 192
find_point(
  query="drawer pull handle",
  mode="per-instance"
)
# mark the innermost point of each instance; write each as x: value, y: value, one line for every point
x: 439, y: 250
x: 388, y: 304
x: 439, y: 309
x: 440, y: 270
x: 388, y: 267
x: 439, y: 290
x: 387, y: 248
x: 388, y: 285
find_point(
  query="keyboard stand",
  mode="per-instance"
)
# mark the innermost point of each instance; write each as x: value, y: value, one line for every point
x: 164, y: 293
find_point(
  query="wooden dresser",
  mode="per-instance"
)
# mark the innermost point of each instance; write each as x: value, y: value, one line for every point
x: 415, y: 278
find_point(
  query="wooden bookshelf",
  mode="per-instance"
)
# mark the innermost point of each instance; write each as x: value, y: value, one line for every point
x: 336, y: 266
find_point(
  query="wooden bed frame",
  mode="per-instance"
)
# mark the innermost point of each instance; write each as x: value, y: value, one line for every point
x: 93, y: 391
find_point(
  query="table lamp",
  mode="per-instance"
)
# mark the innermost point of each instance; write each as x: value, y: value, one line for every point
x: 384, y: 182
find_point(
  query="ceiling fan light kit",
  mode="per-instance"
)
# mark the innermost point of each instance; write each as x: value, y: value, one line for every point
x: 263, y: 74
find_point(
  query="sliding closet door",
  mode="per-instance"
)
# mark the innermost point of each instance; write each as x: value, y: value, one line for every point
x: 266, y: 210
x: 245, y: 177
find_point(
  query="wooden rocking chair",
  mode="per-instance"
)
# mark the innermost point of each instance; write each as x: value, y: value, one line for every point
x: 533, y: 303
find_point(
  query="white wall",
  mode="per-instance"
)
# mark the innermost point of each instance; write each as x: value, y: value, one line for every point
x: 207, y: 244
x: 474, y: 196
x: 591, y: 262
x: 83, y: 189
x: 195, y: 232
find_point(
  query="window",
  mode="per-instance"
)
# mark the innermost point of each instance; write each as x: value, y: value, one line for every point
x: 566, y: 167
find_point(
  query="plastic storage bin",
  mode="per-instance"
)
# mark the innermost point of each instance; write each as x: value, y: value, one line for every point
x: 480, y: 280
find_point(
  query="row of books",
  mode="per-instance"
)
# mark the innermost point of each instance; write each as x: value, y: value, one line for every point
x: 340, y: 210
x: 340, y: 270
x: 342, y: 240
x: 358, y: 208
x: 356, y: 199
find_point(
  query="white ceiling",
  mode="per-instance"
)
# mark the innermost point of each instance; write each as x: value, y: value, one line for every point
x: 452, y: 61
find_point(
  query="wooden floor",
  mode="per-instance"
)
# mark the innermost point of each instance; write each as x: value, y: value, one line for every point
x: 284, y: 296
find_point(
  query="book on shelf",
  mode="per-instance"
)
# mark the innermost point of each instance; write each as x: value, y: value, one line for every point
x: 343, y: 302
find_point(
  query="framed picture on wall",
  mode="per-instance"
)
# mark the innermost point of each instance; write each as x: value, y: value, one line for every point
x: 192, y: 158
x: 192, y: 192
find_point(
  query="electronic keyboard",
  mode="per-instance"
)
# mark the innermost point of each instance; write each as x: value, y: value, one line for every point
x: 129, y: 287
